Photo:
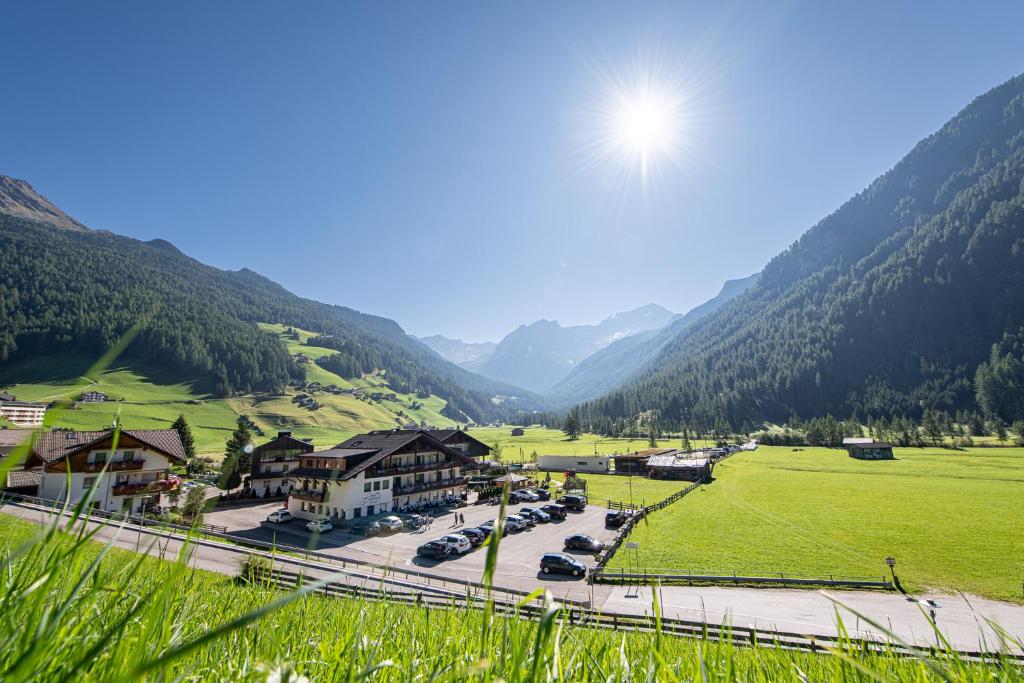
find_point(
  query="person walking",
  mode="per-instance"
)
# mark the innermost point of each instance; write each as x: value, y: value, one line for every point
x: 456, y: 522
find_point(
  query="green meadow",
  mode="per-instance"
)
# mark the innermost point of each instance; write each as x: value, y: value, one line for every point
x: 954, y: 520
x: 544, y: 441
x: 146, y: 397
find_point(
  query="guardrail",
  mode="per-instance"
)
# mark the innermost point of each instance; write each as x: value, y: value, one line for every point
x: 668, y: 576
x: 587, y: 617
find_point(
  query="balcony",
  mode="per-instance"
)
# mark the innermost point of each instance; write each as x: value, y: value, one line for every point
x: 117, y: 466
x: 156, y: 486
x: 428, y: 486
x: 308, y: 495
x: 411, y: 469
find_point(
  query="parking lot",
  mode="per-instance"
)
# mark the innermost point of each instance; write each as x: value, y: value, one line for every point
x: 518, y: 555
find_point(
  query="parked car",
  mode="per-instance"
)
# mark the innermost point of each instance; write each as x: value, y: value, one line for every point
x: 488, y: 528
x: 279, y: 516
x: 434, y: 550
x: 615, y: 518
x: 584, y: 542
x: 538, y: 515
x: 573, y: 502
x: 560, y: 563
x: 391, y: 523
x: 530, y: 495
x: 366, y: 528
x: 319, y: 526
x: 529, y: 520
x: 475, y: 536
x: 542, y: 494
x: 458, y: 543
x: 556, y: 510
x: 515, y: 523
x: 518, y: 497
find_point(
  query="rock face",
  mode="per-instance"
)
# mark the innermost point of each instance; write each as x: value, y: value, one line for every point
x: 18, y: 198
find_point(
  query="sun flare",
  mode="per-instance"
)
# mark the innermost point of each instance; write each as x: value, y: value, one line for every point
x: 644, y: 125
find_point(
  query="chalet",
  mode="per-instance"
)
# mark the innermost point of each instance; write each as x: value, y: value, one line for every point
x: 17, y: 480
x: 595, y: 464
x: 131, y: 474
x: 273, y: 461
x: 302, y: 358
x: 680, y: 466
x: 377, y: 472
x: 93, y: 397
x: 870, y: 450
x: 518, y: 431
x: 23, y: 413
x: 461, y: 441
x: 636, y: 462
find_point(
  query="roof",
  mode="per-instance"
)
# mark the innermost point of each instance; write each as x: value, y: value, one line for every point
x: 676, y: 461
x: 6, y: 397
x: 510, y: 478
x: 869, y: 444
x: 22, y: 404
x: 379, y: 445
x: 283, y: 440
x: 447, y: 436
x: 56, y: 445
x: 22, y: 478
x: 857, y: 439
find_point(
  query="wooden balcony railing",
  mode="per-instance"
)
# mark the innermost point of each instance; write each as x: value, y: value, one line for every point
x: 118, y: 466
x: 308, y: 495
x: 428, y: 486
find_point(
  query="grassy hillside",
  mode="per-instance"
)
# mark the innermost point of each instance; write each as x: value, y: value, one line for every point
x: 952, y: 519
x: 162, y: 620
x: 147, y: 397
x: 546, y: 441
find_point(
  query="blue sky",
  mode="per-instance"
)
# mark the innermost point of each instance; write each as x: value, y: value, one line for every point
x: 431, y: 162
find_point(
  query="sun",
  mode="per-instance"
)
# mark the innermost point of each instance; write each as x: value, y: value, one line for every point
x: 644, y: 126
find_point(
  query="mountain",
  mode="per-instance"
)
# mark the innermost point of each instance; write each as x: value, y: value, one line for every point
x: 84, y: 291
x: 618, y: 362
x: 19, y: 199
x: 886, y: 307
x: 538, y: 355
x: 457, y: 351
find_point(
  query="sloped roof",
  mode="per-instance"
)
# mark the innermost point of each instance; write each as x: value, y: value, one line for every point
x: 21, y: 478
x: 59, y: 444
x: 284, y: 441
x: 385, y: 443
x: 12, y: 438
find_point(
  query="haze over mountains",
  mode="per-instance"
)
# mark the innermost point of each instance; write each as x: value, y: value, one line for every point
x: 539, y: 355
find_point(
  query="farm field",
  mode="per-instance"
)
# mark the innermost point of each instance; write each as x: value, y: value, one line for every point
x: 952, y: 519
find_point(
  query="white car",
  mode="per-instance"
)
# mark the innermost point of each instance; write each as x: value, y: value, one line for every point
x: 319, y: 526
x: 279, y: 516
x: 391, y: 523
x: 458, y: 543
x: 515, y: 523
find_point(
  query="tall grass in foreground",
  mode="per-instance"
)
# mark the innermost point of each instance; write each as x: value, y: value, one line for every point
x: 73, y: 610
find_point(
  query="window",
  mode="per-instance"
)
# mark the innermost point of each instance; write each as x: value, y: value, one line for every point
x: 358, y: 512
x: 385, y: 484
x: 376, y: 486
x: 366, y: 487
x: 128, y: 456
x: 88, y: 482
x: 99, y: 457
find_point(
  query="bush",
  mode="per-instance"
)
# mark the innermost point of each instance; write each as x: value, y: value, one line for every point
x: 254, y: 569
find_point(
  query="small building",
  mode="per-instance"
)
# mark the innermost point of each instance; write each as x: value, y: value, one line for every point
x: 93, y: 397
x: 273, y: 461
x: 594, y: 464
x: 680, y: 466
x: 636, y: 462
x: 518, y: 431
x: 135, y: 470
x: 870, y: 450
x: 23, y: 413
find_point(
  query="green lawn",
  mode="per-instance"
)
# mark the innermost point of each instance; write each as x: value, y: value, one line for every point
x: 953, y: 520
x: 543, y: 441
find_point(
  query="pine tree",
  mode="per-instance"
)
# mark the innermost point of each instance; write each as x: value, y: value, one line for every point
x: 571, y: 427
x: 185, y: 432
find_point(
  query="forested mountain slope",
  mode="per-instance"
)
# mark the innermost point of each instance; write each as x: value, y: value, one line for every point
x: 82, y: 291
x: 618, y: 362
x: 885, y: 307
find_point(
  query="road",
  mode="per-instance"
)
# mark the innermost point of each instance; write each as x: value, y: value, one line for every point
x: 962, y: 619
